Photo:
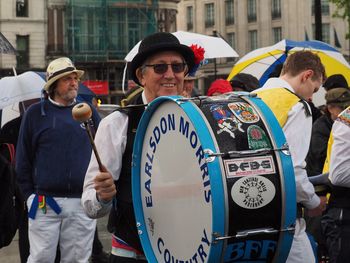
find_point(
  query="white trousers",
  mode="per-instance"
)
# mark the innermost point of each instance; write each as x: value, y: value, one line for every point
x: 301, y: 250
x: 72, y: 229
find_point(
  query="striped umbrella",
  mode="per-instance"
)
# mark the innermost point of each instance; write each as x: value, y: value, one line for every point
x: 263, y: 61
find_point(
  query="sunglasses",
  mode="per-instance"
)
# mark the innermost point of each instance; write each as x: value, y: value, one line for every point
x: 162, y: 68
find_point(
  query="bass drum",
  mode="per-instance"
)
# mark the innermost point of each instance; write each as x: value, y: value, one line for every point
x: 213, y: 181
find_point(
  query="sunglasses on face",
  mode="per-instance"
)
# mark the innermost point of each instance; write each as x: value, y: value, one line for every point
x: 162, y: 68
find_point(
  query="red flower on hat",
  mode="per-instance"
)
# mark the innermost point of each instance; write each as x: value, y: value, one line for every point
x: 198, y: 53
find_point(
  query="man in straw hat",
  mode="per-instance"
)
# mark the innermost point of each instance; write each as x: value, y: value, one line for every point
x: 52, y: 157
x: 160, y: 67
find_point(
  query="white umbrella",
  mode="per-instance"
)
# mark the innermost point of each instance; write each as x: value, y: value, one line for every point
x: 215, y: 47
x: 23, y: 87
x: 16, y: 89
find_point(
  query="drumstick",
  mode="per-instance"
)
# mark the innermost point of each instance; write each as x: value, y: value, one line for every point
x: 82, y: 113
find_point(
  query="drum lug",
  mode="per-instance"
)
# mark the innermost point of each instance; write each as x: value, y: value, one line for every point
x: 139, y: 231
x: 209, y: 155
x: 216, y: 237
x: 285, y: 149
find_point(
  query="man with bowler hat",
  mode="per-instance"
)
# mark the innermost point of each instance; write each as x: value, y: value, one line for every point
x: 160, y: 67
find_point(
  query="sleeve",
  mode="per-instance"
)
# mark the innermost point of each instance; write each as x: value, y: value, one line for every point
x: 24, y: 157
x: 318, y: 149
x: 339, y: 172
x: 110, y: 143
x: 298, y: 132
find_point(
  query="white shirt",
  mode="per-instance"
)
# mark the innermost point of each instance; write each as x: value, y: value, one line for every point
x: 339, y: 169
x: 297, y: 131
x: 110, y: 141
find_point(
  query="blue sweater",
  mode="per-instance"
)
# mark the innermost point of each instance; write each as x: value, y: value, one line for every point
x: 53, y: 151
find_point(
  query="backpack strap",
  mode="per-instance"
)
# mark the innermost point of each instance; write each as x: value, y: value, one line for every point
x: 10, y: 150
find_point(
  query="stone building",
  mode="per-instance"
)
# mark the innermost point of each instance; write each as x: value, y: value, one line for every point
x: 250, y: 24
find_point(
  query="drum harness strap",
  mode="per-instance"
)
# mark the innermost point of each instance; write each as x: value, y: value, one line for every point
x: 122, y: 222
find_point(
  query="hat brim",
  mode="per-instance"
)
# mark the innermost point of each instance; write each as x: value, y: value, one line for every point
x: 185, y: 51
x: 80, y: 73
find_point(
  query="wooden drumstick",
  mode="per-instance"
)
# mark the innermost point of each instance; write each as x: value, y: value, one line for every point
x: 82, y: 113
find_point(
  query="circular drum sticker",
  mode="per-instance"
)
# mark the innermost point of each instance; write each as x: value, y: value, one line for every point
x: 253, y: 192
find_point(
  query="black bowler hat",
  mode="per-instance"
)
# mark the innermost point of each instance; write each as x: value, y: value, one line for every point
x: 156, y: 43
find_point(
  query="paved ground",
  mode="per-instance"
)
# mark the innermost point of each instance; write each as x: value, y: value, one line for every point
x: 10, y: 254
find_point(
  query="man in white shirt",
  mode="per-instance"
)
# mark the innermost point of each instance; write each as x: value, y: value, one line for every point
x: 160, y: 67
x: 301, y: 76
x: 336, y: 221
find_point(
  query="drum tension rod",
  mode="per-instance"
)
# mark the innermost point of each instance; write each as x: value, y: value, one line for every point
x: 251, y: 232
x: 197, y: 100
x: 232, y: 154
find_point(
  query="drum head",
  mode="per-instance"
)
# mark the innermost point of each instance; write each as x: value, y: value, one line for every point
x: 172, y: 191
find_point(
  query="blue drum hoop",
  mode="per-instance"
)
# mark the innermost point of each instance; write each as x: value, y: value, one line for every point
x: 219, y: 202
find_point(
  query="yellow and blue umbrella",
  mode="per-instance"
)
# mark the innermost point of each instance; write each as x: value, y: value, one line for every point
x: 263, y: 61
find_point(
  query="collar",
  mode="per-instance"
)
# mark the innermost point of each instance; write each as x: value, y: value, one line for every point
x: 60, y: 104
x: 144, y: 100
x: 277, y: 83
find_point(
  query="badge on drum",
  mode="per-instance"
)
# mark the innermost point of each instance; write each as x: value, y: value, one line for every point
x: 253, y: 192
x: 257, y: 138
x: 226, y: 121
x: 244, y: 112
x: 249, y: 166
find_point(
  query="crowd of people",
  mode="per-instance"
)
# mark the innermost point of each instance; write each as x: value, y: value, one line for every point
x: 66, y: 189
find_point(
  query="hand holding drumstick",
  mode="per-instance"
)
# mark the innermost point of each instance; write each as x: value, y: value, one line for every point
x: 104, y: 183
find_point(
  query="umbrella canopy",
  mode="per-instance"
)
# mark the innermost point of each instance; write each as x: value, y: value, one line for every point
x: 23, y: 87
x: 5, y: 46
x: 215, y: 47
x: 263, y: 61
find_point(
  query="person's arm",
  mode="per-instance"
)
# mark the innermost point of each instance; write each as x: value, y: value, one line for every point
x: 110, y: 142
x: 25, y: 153
x: 339, y: 169
x: 318, y: 147
x: 298, y: 131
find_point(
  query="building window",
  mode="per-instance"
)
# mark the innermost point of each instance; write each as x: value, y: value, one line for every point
x: 189, y: 13
x: 209, y: 15
x: 325, y: 33
x: 229, y: 12
x: 324, y: 7
x: 251, y: 7
x: 231, y: 39
x: 276, y: 9
x: 277, y: 34
x: 22, y: 8
x: 253, y: 39
x: 23, y: 51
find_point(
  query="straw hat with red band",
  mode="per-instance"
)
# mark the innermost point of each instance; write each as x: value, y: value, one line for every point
x: 59, y: 68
